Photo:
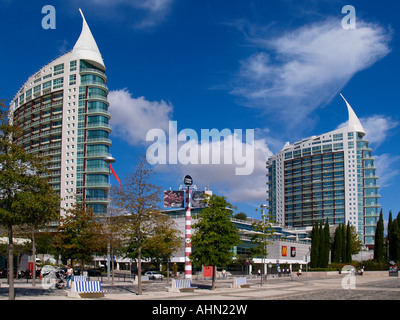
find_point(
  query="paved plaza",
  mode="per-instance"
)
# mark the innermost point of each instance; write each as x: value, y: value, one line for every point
x: 315, y: 287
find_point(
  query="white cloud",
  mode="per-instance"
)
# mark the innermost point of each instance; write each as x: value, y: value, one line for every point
x: 377, y: 128
x: 386, y: 168
x: 222, y: 178
x: 150, y: 13
x: 132, y: 118
x: 293, y: 74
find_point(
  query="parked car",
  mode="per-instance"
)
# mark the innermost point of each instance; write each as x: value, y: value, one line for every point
x: 77, y: 272
x: 93, y: 273
x: 3, y: 273
x: 154, y: 275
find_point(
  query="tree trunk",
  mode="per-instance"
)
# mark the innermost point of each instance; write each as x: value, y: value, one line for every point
x: 112, y: 265
x: 140, y: 267
x: 213, y: 278
x: 34, y: 259
x: 167, y: 271
x: 11, y: 295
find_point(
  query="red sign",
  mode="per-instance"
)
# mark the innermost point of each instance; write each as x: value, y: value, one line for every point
x: 284, y: 251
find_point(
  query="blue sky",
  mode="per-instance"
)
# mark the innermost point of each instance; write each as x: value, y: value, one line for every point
x: 273, y: 66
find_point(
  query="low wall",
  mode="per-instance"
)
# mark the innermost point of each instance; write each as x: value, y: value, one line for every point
x: 333, y: 273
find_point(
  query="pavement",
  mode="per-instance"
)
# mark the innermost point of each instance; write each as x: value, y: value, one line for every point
x: 326, y: 287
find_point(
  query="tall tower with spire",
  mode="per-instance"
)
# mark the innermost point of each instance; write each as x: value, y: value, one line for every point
x: 63, y: 111
x: 331, y: 176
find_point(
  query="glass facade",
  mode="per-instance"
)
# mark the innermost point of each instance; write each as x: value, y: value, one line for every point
x: 93, y: 131
x: 332, y: 177
x: 63, y: 111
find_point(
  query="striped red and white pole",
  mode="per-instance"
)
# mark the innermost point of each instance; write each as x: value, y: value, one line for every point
x: 188, y: 234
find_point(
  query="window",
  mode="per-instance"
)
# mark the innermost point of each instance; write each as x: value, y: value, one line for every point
x: 47, y: 85
x: 72, y: 65
x: 58, y: 83
x: 338, y: 146
x: 58, y: 69
x: 338, y: 137
x: 72, y: 79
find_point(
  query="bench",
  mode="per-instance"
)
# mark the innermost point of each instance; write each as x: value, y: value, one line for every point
x: 86, y: 289
x: 240, y: 282
x: 181, y: 285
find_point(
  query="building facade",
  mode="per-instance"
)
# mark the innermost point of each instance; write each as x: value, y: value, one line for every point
x: 331, y: 176
x: 287, y: 245
x: 63, y: 111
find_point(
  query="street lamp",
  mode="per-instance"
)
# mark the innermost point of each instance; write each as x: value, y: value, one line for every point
x: 108, y: 160
x: 263, y: 251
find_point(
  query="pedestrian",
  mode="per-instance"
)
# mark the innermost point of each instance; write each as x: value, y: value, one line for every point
x: 299, y: 273
x: 70, y: 275
x: 223, y: 273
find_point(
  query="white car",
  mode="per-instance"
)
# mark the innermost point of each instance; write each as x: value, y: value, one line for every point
x: 154, y: 275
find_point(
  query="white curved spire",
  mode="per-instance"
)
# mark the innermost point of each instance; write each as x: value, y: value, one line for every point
x: 354, y: 122
x: 86, y: 47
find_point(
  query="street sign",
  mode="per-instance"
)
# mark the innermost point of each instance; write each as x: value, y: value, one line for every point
x: 187, y: 180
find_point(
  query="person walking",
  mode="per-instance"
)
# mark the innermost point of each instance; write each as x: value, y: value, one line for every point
x: 223, y: 273
x: 70, y: 276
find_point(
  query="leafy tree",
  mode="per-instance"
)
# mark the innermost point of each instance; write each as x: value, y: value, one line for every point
x: 215, y: 235
x: 164, y: 240
x: 394, y: 237
x: 80, y: 235
x: 356, y: 243
x: 379, y: 240
x: 348, y: 258
x: 240, y: 216
x: 23, y: 193
x: 139, y: 199
x: 38, y: 208
x: 337, y: 245
x: 326, y: 245
x: 315, y: 245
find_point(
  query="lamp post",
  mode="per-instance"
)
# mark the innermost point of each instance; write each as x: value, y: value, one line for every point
x: 188, y: 181
x: 263, y: 250
x: 108, y: 160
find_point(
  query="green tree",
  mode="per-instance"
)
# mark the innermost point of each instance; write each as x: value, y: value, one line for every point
x: 163, y: 241
x: 240, y: 216
x: 337, y: 245
x: 325, y: 245
x: 215, y: 235
x: 23, y: 193
x: 80, y: 235
x: 348, y: 258
x: 139, y: 199
x: 379, y: 240
x: 356, y: 243
x: 315, y: 245
x: 394, y: 238
x: 39, y: 209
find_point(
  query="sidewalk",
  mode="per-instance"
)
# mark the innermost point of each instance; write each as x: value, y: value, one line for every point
x: 311, y: 288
